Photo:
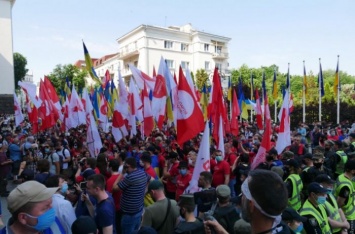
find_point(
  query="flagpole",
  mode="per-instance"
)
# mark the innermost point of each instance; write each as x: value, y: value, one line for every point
x: 320, y: 95
x: 338, y: 95
x: 275, y: 103
x: 304, y: 96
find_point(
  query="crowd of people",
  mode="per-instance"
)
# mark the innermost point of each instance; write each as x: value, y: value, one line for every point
x: 139, y: 185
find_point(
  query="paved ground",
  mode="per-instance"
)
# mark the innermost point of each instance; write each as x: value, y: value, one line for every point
x: 5, y: 213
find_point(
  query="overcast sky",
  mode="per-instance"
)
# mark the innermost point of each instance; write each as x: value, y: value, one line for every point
x: 269, y: 32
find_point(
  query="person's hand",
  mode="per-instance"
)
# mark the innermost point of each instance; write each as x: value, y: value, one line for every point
x: 85, y: 197
x: 346, y: 225
x: 214, y: 225
x: 77, y: 187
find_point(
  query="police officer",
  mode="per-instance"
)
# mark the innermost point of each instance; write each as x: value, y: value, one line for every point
x: 313, y: 209
x: 294, y: 184
x: 340, y: 159
x: 337, y: 218
x: 345, y: 193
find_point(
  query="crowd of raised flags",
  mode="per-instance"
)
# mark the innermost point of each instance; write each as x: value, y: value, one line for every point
x: 149, y: 102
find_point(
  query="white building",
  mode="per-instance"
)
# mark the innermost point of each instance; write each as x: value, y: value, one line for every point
x: 109, y: 62
x: 185, y: 46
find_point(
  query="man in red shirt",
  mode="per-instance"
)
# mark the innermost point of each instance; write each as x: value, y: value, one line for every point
x: 116, y: 195
x: 230, y: 157
x: 170, y: 173
x: 191, y: 157
x: 146, y: 162
x: 182, y: 180
x: 221, y: 171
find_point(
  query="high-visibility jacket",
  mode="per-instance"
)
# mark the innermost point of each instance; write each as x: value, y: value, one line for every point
x: 339, y: 169
x: 295, y: 200
x: 349, y: 207
x: 321, y: 217
x: 333, y: 211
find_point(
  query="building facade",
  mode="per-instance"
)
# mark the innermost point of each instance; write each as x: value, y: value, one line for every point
x: 185, y: 46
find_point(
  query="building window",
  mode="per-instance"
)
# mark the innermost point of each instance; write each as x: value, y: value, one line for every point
x: 168, y: 44
x: 184, y: 47
x: 170, y: 63
x: 207, y: 47
x: 184, y: 65
x: 219, y: 66
x: 218, y: 49
x: 207, y: 65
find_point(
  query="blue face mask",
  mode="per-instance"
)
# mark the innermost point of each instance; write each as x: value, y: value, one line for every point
x: 219, y: 158
x: 64, y: 188
x: 183, y: 171
x: 321, y: 200
x: 46, y: 150
x: 299, y: 228
x: 44, y: 221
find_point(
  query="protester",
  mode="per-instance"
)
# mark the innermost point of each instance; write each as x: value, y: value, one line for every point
x: 84, y: 225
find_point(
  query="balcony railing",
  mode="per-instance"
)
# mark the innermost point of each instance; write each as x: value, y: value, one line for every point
x: 220, y: 55
x: 128, y: 52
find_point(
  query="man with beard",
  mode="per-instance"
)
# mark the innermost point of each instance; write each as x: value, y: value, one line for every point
x: 167, y: 209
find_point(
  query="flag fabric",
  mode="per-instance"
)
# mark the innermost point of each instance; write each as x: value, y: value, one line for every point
x: 119, y: 129
x: 251, y: 85
x: 30, y: 90
x: 258, y: 111
x: 47, y: 111
x: 76, y: 112
x: 136, y: 104
x: 266, y: 141
x: 284, y: 135
x: 320, y: 80
x: 106, y: 79
x: 141, y: 78
x: 103, y: 118
x: 123, y: 97
x: 18, y: 112
x: 89, y: 66
x: 67, y: 87
x: 32, y: 115
x: 305, y: 85
x: 290, y: 105
x: 159, y: 99
x: 274, y: 86
x: 204, y: 102
x: 336, y: 86
x: 288, y: 78
x: 53, y: 96
x: 189, y: 116
x: 94, y: 143
x: 191, y: 83
x: 229, y: 94
x: 235, y: 113
x: 220, y: 145
x: 147, y: 113
x: 202, y: 160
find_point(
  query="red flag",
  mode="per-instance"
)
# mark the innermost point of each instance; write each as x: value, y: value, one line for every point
x: 235, y: 113
x: 154, y: 72
x: 189, y: 116
x: 290, y: 105
x: 284, y: 135
x: 47, y: 111
x: 106, y: 79
x: 227, y: 126
x: 259, y: 118
x: 51, y: 90
x: 147, y: 113
x: 216, y: 107
x: 159, y: 100
x: 119, y: 129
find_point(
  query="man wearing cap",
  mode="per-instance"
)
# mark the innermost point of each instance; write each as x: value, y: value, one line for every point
x: 167, y: 209
x: 263, y: 201
x: 318, y: 167
x: 182, y: 180
x: 294, y: 184
x: 344, y: 191
x: 293, y: 220
x: 225, y: 212
x: 170, y: 173
x: 191, y: 223
x: 30, y: 205
x: 336, y: 218
x: 313, y: 209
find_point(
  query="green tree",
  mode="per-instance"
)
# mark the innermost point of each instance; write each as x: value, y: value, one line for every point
x: 201, y: 78
x: 75, y: 75
x: 20, y: 63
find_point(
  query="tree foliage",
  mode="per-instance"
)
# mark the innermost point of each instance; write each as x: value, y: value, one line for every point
x: 201, y: 78
x: 20, y: 70
x: 75, y: 76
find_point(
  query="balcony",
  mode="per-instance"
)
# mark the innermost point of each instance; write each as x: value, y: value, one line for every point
x: 126, y: 72
x: 128, y: 51
x: 220, y: 55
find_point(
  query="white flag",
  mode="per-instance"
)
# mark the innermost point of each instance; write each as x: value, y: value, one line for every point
x: 284, y: 135
x: 18, y: 113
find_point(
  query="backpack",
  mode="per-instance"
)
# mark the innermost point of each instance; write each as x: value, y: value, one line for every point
x: 227, y: 217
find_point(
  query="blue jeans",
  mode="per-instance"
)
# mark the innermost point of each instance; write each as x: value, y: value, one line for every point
x: 231, y: 186
x: 130, y: 223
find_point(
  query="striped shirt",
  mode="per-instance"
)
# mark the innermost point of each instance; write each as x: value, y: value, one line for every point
x: 133, y: 187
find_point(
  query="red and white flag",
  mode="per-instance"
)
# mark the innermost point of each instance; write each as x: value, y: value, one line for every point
x: 284, y: 135
x: 119, y: 129
x: 235, y: 114
x: 76, y: 112
x: 159, y: 99
x: 52, y: 93
x: 258, y: 111
x: 290, y: 105
x: 266, y: 141
x: 147, y: 113
x: 103, y: 108
x: 190, y: 120
x: 202, y: 160
x: 123, y: 97
x: 141, y: 78
x: 31, y: 91
x: 47, y: 112
x: 93, y: 140
x: 18, y: 112
x: 191, y: 84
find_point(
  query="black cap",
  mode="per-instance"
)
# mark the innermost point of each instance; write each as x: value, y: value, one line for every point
x: 292, y: 163
x: 84, y: 225
x: 183, y: 164
x: 316, y: 188
x: 187, y: 200
x: 290, y: 214
x: 323, y: 178
x: 273, y: 151
x: 307, y: 155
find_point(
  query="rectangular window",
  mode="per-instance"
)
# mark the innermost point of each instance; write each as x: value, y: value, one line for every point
x: 184, y: 65
x: 207, y: 47
x: 184, y: 47
x: 207, y: 65
x: 168, y: 44
x: 218, y: 49
x: 170, y: 63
